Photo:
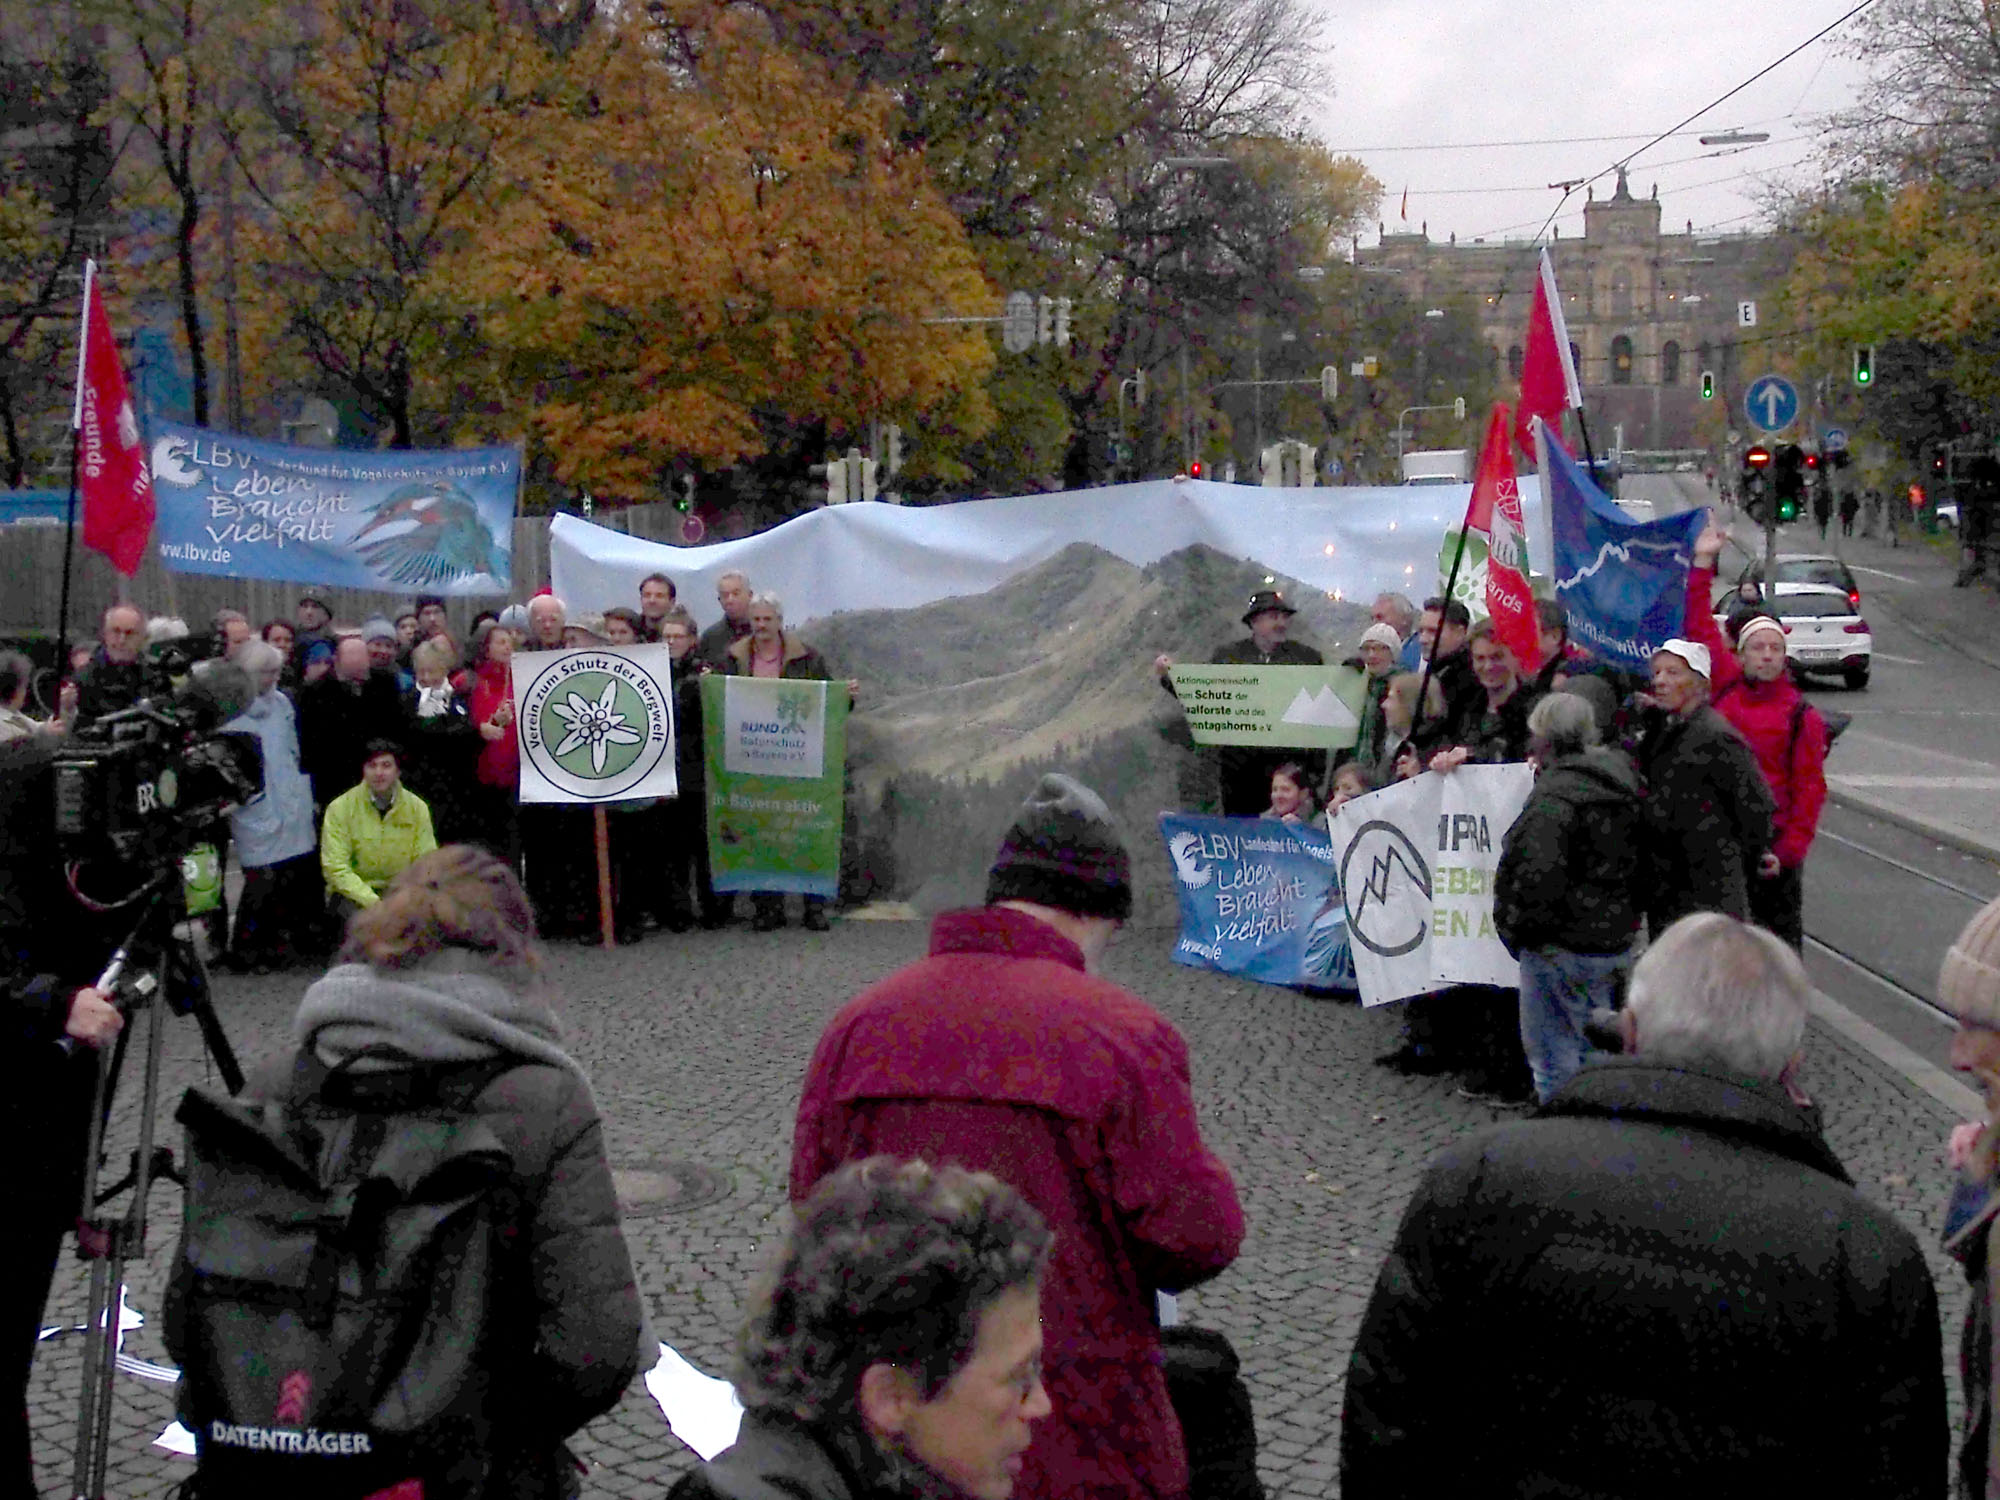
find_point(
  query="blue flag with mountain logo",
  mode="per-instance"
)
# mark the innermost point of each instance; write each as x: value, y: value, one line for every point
x: 1259, y: 898
x: 1623, y: 581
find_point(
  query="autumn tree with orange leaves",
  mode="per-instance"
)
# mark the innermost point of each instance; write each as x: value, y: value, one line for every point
x: 704, y: 240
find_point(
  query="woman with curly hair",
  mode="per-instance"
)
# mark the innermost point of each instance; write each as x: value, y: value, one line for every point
x: 894, y: 1349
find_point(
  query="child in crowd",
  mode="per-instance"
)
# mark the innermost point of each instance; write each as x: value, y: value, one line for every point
x: 1291, y: 801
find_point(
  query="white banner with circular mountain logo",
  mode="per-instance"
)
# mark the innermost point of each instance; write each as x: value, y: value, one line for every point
x: 596, y: 725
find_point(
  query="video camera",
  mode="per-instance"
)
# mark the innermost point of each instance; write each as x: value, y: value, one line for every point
x: 143, y: 785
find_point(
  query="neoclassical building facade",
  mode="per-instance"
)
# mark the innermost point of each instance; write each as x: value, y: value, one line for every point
x: 1647, y: 312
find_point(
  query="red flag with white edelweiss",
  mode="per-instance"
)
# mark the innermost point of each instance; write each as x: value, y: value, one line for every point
x: 1496, y: 500
x: 1548, y: 372
x: 113, y: 481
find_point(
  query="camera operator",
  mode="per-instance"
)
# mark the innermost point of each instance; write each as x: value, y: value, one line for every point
x: 48, y: 950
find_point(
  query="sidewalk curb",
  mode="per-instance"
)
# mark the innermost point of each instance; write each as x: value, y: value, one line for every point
x: 1943, y: 833
x: 1892, y: 1054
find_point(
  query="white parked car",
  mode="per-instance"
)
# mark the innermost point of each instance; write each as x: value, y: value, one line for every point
x: 1638, y: 510
x: 1824, y: 632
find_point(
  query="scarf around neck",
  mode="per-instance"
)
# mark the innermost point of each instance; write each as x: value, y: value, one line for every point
x: 456, y: 1007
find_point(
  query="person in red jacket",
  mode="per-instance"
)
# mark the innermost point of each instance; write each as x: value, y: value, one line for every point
x: 495, y: 794
x: 1003, y: 1052
x: 1754, y: 692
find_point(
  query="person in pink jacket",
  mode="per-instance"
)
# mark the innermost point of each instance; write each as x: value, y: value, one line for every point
x: 1003, y: 1052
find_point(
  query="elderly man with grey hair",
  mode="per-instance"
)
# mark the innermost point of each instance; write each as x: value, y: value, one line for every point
x: 1400, y: 615
x: 1665, y: 1285
x: 732, y: 592
x: 1566, y: 896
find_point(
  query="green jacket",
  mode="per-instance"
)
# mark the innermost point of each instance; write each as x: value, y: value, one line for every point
x: 362, y: 850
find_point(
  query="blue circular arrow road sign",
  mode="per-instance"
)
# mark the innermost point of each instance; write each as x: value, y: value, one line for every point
x: 1833, y: 440
x: 1771, y: 403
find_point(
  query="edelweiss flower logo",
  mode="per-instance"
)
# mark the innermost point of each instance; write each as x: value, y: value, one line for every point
x: 596, y: 723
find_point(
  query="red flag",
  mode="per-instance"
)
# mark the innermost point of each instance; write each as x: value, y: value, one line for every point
x: 1548, y: 373
x: 1406, y: 205
x: 1496, y: 510
x: 112, y: 478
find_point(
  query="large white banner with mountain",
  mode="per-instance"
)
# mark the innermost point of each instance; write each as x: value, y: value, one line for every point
x: 997, y: 639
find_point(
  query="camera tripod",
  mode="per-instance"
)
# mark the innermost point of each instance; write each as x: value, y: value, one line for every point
x: 156, y: 963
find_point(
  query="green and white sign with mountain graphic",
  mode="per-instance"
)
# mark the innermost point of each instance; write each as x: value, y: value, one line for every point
x: 775, y: 750
x: 595, y: 725
x: 1317, y: 708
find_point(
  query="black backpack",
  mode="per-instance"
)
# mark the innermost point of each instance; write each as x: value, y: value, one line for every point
x: 329, y: 1302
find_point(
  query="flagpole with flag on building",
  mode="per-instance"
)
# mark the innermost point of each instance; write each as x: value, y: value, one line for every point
x: 108, y: 472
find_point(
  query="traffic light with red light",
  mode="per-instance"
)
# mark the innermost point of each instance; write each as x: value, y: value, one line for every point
x: 1756, y: 482
x: 1812, y: 461
x: 1194, y: 469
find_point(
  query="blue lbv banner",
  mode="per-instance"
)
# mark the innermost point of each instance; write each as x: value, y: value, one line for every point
x: 1623, y: 581
x: 439, y: 522
x: 1259, y: 898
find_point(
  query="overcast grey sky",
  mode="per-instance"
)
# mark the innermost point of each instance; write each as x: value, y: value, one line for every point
x: 1445, y: 74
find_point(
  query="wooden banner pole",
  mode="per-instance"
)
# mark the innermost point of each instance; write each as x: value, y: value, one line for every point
x: 602, y: 824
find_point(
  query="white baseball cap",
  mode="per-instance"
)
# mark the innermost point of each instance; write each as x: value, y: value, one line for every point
x: 1692, y: 652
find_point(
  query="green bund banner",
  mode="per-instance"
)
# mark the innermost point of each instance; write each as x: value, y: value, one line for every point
x: 775, y: 751
x: 1316, y: 708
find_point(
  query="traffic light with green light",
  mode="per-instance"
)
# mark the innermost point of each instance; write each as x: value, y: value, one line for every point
x: 1864, y: 364
x: 1708, y: 385
x: 1788, y: 509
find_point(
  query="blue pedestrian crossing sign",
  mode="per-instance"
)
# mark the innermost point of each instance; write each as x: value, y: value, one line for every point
x: 1771, y: 403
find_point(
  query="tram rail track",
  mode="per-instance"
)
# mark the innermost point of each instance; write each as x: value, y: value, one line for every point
x: 1830, y: 943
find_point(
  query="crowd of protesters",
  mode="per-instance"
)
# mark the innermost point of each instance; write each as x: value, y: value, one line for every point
x: 1664, y: 1282
x: 1697, y: 788
x: 393, y: 736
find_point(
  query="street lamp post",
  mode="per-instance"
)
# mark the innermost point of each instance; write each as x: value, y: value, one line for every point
x: 1189, y: 164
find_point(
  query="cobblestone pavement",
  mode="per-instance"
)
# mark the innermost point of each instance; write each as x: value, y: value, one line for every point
x: 696, y: 1046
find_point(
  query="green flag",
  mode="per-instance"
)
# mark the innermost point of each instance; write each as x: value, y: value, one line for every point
x: 775, y: 750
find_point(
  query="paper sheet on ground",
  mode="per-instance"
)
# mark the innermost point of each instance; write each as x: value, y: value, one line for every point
x: 703, y: 1411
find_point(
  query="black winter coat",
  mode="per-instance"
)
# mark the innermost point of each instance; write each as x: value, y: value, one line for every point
x: 336, y: 722
x: 440, y: 756
x: 1495, y: 736
x: 1666, y: 1286
x: 777, y: 1457
x: 1708, y: 818
x: 1569, y: 867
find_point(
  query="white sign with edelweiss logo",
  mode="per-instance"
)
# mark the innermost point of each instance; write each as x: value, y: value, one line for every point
x: 596, y: 725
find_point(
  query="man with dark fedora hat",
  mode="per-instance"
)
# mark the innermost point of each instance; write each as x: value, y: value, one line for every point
x: 1246, y: 769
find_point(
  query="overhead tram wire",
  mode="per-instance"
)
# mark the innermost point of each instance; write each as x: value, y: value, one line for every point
x: 1569, y: 188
